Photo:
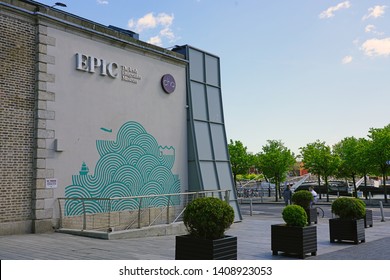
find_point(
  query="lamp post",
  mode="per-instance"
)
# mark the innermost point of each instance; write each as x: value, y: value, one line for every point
x: 59, y: 4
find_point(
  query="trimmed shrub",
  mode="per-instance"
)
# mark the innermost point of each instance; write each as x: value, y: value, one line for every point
x: 349, y: 208
x: 294, y: 215
x: 302, y: 198
x: 208, y: 217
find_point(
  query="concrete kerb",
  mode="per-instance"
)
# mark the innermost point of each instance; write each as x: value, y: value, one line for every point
x: 157, y: 230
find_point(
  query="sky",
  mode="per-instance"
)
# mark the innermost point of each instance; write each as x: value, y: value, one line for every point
x: 295, y: 71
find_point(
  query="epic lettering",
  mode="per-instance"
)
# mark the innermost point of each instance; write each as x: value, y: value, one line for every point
x: 91, y: 64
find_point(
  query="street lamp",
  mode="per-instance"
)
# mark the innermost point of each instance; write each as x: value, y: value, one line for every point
x: 59, y: 4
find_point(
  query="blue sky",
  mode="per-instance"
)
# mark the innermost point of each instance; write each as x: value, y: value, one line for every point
x: 294, y: 71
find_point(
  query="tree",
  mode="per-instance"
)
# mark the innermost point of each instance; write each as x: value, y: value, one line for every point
x: 348, y: 152
x: 380, y: 151
x: 274, y: 161
x: 318, y: 158
x: 364, y: 164
x: 240, y: 160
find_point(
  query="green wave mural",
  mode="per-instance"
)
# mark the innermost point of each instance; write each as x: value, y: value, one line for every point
x: 133, y: 165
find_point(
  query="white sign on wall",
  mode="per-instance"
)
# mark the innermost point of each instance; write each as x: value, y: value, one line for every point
x: 51, y: 183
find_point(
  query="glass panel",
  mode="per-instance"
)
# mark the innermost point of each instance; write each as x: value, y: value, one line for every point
x: 191, y: 145
x: 219, y: 143
x: 212, y: 70
x: 193, y: 182
x: 224, y: 176
x: 209, y: 175
x: 196, y: 65
x: 214, y: 103
x: 203, y: 141
x: 198, y: 94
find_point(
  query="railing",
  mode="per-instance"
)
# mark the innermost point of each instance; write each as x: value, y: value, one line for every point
x: 123, y: 213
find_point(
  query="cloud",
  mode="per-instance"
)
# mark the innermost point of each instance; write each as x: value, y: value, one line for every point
x: 156, y: 40
x: 330, y: 11
x: 376, y: 47
x: 102, y: 2
x: 372, y: 29
x: 150, y: 21
x: 160, y: 24
x: 375, y: 12
x: 347, y: 59
x: 369, y: 28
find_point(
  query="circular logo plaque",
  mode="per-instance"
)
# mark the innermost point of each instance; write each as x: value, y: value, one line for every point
x: 168, y: 83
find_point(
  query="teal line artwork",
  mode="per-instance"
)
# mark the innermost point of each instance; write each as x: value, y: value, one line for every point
x: 133, y: 165
x: 106, y: 129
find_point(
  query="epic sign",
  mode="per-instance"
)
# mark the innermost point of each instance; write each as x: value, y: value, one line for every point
x: 93, y: 64
x: 90, y: 64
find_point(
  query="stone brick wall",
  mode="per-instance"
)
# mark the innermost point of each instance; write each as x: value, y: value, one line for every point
x: 17, y: 101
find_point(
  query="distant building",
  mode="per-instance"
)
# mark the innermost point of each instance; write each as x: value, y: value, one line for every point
x: 302, y: 170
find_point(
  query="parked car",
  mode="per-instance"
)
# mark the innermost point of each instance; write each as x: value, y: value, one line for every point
x: 306, y: 186
x: 339, y: 187
x: 334, y: 187
x: 371, y: 189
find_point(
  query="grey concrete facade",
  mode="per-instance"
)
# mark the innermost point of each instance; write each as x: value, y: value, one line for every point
x: 52, y: 113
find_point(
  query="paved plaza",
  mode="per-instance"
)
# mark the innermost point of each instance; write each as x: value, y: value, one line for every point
x: 253, y: 233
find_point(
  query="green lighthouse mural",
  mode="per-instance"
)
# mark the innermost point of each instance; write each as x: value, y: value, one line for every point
x: 133, y: 165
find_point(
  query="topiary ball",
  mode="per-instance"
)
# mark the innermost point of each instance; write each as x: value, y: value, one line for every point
x: 349, y: 208
x: 294, y: 215
x: 208, y: 217
x: 302, y: 198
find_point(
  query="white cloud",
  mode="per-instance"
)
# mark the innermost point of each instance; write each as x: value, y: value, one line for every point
x: 375, y: 12
x: 156, y: 40
x: 150, y: 21
x: 372, y: 29
x: 102, y: 2
x: 369, y: 28
x: 330, y: 11
x: 347, y: 59
x: 160, y: 24
x: 167, y: 33
x: 377, y: 47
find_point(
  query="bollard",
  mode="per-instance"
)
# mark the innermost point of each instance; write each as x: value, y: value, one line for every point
x: 369, y: 198
x: 250, y: 206
x: 383, y: 215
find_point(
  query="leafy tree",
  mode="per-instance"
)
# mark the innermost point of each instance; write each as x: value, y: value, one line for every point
x: 364, y: 164
x: 348, y: 152
x: 380, y: 151
x: 274, y: 161
x: 240, y: 160
x: 318, y: 158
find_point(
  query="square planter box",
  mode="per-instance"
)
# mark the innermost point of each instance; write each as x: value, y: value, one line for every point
x: 346, y: 230
x: 294, y: 240
x: 311, y: 215
x: 368, y: 219
x: 190, y: 248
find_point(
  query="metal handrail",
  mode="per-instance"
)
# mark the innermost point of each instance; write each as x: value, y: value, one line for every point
x: 140, y: 210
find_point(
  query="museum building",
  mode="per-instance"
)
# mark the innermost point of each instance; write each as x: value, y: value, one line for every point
x: 90, y: 112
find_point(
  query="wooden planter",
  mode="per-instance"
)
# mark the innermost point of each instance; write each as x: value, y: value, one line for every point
x: 311, y: 215
x: 368, y: 219
x: 191, y: 248
x: 346, y: 230
x: 294, y: 240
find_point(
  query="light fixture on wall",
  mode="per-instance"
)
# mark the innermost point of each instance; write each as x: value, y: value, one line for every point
x: 59, y: 4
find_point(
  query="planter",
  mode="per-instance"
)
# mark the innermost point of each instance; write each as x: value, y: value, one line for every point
x: 190, y: 248
x: 311, y: 215
x: 368, y: 219
x: 346, y: 230
x: 294, y: 240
